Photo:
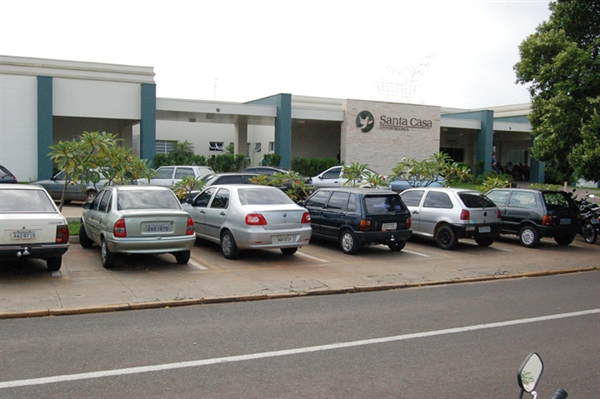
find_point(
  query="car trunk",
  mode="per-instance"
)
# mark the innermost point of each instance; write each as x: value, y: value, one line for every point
x: 279, y: 217
x: 155, y: 223
x: 30, y: 228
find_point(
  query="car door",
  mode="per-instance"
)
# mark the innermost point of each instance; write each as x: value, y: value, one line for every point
x: 197, y: 209
x: 412, y: 200
x: 216, y: 213
x: 95, y: 222
x: 521, y: 205
x: 315, y: 205
x: 434, y: 209
x: 164, y: 176
x: 181, y: 172
x: 334, y: 213
x: 330, y: 178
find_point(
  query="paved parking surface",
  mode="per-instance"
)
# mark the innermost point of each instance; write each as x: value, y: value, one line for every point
x: 82, y: 284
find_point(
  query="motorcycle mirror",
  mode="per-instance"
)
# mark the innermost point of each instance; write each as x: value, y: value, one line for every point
x: 530, y: 372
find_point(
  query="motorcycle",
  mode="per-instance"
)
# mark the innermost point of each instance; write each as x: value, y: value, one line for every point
x: 529, y: 375
x: 590, y: 222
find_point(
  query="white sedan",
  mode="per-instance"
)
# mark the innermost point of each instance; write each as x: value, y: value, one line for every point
x: 31, y: 225
x: 249, y: 217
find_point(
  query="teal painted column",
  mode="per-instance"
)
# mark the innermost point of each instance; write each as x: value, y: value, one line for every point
x: 148, y: 123
x: 485, y: 140
x: 536, y: 168
x: 283, y: 126
x: 44, y: 126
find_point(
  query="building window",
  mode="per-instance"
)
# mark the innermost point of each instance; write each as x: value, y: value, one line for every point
x: 257, y: 147
x: 271, y: 146
x: 457, y: 154
x: 247, y: 149
x: 216, y: 146
x: 164, y: 147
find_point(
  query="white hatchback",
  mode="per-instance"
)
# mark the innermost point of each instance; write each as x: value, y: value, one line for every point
x: 31, y: 226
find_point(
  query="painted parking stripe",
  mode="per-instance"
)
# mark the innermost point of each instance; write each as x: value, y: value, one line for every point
x: 196, y: 265
x: 415, y: 253
x: 285, y: 352
x: 312, y: 257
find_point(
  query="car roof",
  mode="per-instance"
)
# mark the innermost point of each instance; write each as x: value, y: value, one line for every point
x: 445, y: 189
x: 533, y: 190
x: 9, y: 186
x: 359, y: 190
x: 134, y: 187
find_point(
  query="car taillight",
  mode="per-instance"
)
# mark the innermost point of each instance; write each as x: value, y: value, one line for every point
x: 365, y: 225
x: 306, y: 217
x: 190, y: 227
x: 465, y: 215
x: 499, y: 214
x: 119, y: 229
x: 255, y: 219
x: 408, y: 223
x: 62, y: 233
x: 546, y: 221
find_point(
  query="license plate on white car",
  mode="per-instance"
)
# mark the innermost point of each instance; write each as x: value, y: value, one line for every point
x: 24, y: 235
x: 388, y: 226
x: 283, y: 239
x: 157, y: 227
x: 485, y: 229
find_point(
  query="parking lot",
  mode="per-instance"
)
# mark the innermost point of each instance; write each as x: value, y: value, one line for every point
x: 82, y: 284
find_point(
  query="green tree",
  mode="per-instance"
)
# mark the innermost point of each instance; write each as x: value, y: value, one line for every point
x: 561, y: 65
x: 355, y: 173
x: 424, y: 173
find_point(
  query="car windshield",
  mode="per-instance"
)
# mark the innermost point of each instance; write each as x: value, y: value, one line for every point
x: 255, y: 196
x: 146, y: 199
x: 475, y: 200
x: 31, y: 201
x: 378, y: 204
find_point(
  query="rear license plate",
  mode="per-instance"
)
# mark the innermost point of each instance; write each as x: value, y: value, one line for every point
x: 565, y: 221
x: 595, y: 221
x: 388, y: 226
x: 157, y: 228
x: 283, y: 239
x: 485, y: 229
x: 24, y: 235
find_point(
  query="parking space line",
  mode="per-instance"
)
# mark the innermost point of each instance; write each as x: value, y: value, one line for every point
x: 197, y: 265
x: 500, y: 249
x: 312, y: 257
x: 415, y: 253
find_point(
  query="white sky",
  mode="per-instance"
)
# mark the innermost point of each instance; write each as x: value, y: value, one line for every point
x: 449, y: 53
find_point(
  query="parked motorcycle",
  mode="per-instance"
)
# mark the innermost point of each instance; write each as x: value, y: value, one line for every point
x: 590, y: 214
x: 529, y: 375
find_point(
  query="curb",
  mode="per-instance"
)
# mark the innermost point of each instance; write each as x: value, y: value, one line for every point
x: 260, y: 297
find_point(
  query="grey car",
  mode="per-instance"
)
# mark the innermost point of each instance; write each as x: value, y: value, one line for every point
x: 332, y: 177
x: 137, y: 220
x: 75, y: 192
x: 168, y: 176
x: 249, y: 217
x: 448, y: 214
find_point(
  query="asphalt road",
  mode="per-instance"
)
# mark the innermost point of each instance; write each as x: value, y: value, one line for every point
x: 456, y: 341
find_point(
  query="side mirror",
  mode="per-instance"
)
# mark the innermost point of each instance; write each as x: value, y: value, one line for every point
x: 530, y: 372
x: 87, y: 205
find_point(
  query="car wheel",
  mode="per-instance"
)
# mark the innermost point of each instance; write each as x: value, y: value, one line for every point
x: 182, y: 257
x: 54, y: 263
x: 90, y: 195
x: 289, y: 251
x: 397, y: 245
x: 529, y: 236
x: 108, y: 258
x: 485, y: 242
x: 228, y: 247
x: 348, y: 242
x: 564, y: 239
x: 445, y: 237
x: 589, y: 233
x: 84, y: 240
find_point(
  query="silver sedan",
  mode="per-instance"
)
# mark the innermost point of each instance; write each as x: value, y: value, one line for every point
x: 249, y: 217
x: 137, y: 220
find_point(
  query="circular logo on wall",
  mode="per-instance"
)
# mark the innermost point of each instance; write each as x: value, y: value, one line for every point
x: 365, y: 121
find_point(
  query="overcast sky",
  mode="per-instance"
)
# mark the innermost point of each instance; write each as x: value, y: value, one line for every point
x: 449, y: 53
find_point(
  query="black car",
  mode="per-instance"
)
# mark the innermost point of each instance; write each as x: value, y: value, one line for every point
x: 532, y: 214
x: 6, y: 176
x: 359, y: 216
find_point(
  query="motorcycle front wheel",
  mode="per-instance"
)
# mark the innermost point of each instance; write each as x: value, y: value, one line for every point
x: 589, y: 233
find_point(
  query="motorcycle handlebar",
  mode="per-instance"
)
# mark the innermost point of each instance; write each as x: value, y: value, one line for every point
x: 560, y: 394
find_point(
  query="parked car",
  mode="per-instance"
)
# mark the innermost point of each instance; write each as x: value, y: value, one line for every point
x: 249, y: 217
x: 6, y: 176
x: 222, y: 178
x: 168, y: 176
x: 533, y: 214
x: 137, y: 220
x: 448, y: 214
x: 75, y: 191
x: 359, y: 216
x: 31, y: 225
x: 264, y: 170
x: 332, y: 177
x: 398, y: 185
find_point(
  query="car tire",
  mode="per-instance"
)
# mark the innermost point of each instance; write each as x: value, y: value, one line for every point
x: 107, y: 257
x: 289, y: 251
x: 445, y: 237
x: 348, y: 242
x: 182, y: 257
x: 84, y: 240
x: 485, y: 241
x: 90, y: 195
x: 228, y: 246
x: 589, y: 233
x: 54, y: 263
x: 397, y: 245
x: 564, y: 239
x: 529, y: 236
